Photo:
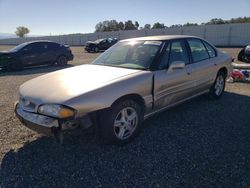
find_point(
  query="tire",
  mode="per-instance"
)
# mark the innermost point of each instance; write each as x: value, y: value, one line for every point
x: 241, y: 55
x: 15, y: 66
x: 62, y: 60
x: 217, y: 89
x: 120, y: 124
x: 96, y: 49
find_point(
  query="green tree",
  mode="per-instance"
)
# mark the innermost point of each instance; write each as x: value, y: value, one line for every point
x: 121, y: 26
x: 175, y: 25
x: 147, y: 26
x: 216, y: 21
x: 129, y: 25
x: 190, y: 24
x: 158, y: 25
x: 113, y: 25
x: 109, y: 25
x: 21, y: 31
x: 99, y: 27
x: 137, y: 24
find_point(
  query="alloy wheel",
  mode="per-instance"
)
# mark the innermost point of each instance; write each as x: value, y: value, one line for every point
x: 219, y: 85
x: 125, y: 123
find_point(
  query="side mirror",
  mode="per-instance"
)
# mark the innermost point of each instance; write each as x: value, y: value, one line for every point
x: 176, y: 65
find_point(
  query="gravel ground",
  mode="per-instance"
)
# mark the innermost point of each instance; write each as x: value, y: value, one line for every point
x: 201, y: 143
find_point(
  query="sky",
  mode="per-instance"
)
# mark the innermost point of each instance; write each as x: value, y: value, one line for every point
x: 53, y: 17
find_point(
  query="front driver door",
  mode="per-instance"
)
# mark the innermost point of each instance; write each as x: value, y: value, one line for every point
x: 104, y: 44
x: 29, y: 55
x: 176, y: 85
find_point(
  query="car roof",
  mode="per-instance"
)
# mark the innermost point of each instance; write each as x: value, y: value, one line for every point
x: 162, y: 37
x: 36, y: 41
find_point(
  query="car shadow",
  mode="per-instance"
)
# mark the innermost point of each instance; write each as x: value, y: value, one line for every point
x: 34, y: 70
x: 201, y: 143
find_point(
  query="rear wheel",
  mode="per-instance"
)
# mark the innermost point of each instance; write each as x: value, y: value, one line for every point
x: 217, y: 89
x: 62, y: 60
x: 120, y: 124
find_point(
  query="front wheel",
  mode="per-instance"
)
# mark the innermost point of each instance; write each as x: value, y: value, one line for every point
x: 217, y: 89
x: 120, y: 124
x: 62, y: 60
x: 96, y: 49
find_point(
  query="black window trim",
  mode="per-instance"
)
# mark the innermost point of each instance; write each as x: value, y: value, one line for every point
x: 156, y: 62
x: 215, y: 51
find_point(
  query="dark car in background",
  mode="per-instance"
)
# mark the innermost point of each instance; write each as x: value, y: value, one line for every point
x: 244, y: 54
x: 100, y: 44
x: 35, y: 53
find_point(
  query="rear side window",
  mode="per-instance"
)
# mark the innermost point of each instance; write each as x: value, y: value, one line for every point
x: 211, y: 51
x: 53, y: 46
x: 198, y: 50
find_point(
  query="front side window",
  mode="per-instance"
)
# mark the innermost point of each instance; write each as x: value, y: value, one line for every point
x: 29, y: 48
x: 175, y: 51
x: 198, y: 50
x: 130, y: 54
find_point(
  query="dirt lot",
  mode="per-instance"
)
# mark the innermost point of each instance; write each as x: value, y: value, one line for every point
x: 201, y: 143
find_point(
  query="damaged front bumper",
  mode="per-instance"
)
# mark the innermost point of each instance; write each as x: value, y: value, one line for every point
x: 48, y: 125
x: 36, y: 122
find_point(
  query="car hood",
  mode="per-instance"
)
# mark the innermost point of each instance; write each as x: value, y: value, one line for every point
x: 61, y: 86
x: 91, y: 42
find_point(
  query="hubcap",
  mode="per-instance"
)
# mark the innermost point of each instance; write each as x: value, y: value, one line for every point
x: 125, y: 123
x: 62, y: 60
x: 219, y: 85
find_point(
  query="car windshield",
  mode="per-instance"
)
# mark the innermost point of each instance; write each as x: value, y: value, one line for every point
x: 18, y: 47
x: 130, y: 54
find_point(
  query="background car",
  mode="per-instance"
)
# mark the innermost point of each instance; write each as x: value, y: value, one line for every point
x: 134, y: 80
x: 35, y: 53
x: 244, y: 54
x: 100, y: 44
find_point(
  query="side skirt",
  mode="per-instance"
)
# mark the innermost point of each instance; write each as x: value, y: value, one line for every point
x: 174, y: 104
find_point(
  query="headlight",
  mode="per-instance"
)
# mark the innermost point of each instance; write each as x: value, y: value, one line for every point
x: 56, y: 110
